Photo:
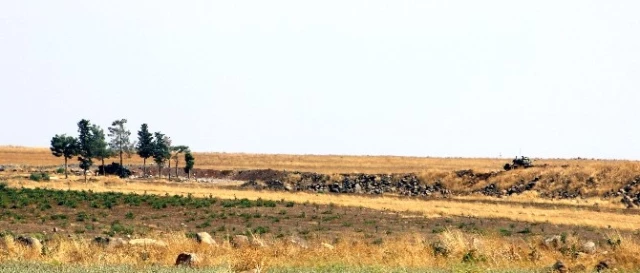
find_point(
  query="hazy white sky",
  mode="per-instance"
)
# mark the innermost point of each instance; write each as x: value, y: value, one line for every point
x: 424, y: 78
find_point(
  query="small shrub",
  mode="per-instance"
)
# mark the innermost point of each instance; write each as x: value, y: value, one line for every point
x: 525, y: 231
x: 261, y: 230
x: 505, y: 232
x: 438, y: 230
x: 58, y: 217
x: 81, y: 216
x: 60, y: 170
x: 129, y: 215
x: 473, y: 257
x: 39, y: 176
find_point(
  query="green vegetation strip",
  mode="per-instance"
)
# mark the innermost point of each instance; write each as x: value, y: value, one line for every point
x: 45, y: 199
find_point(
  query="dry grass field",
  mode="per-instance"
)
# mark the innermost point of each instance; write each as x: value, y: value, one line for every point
x: 328, y: 164
x: 319, y: 232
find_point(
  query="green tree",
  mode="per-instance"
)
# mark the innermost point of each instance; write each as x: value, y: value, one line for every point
x: 120, y: 143
x: 85, y: 146
x: 189, y: 162
x: 175, y: 154
x: 161, y: 151
x: 100, y: 148
x: 65, y: 146
x: 145, y: 146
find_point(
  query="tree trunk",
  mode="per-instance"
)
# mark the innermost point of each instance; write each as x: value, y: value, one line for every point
x: 159, y: 171
x: 103, y: 170
x: 144, y: 167
x: 176, y: 166
x: 169, y: 172
x: 66, y: 175
x: 85, y: 176
x: 120, y: 158
x: 189, y: 175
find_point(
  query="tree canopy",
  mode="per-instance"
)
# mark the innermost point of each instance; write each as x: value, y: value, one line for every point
x: 64, y: 146
x: 120, y: 142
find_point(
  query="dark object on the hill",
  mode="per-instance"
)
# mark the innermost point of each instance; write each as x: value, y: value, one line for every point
x: 519, y: 162
x: 115, y: 169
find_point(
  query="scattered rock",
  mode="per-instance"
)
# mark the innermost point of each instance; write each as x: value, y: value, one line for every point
x: 553, y: 242
x: 55, y: 229
x: 560, y: 267
x: 109, y: 241
x: 186, y: 259
x: 288, y: 187
x: 328, y: 246
x: 30, y: 242
x: 604, y: 265
x: 588, y: 247
x: 238, y: 241
x: 358, y: 188
x: 147, y: 242
x: 205, y: 238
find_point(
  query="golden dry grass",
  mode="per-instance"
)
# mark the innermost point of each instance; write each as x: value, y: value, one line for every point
x: 406, y: 251
x: 410, y: 251
x: 329, y: 164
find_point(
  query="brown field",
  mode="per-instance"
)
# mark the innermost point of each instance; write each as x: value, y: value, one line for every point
x: 479, y: 232
x: 328, y: 164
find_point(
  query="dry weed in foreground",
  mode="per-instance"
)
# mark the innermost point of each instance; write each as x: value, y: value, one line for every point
x: 410, y: 251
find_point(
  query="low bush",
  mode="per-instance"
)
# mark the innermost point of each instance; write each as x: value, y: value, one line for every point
x: 39, y: 176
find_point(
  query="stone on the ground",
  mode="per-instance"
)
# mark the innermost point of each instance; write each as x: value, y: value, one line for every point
x: 205, y: 238
x: 553, y: 242
x: 328, y: 246
x: 186, y: 259
x: 239, y: 241
x: 147, y: 242
x: 559, y: 266
x: 588, y: 247
x: 30, y: 242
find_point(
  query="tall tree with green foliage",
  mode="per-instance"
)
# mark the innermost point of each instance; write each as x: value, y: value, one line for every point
x: 175, y: 154
x: 65, y: 146
x: 100, y: 147
x: 120, y: 143
x: 145, y: 146
x: 85, y: 146
x: 161, y: 151
x: 189, y: 163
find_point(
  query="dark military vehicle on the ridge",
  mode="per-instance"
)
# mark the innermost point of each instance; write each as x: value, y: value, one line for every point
x: 519, y: 162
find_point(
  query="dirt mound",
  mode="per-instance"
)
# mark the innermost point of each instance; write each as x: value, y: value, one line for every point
x: 497, y: 183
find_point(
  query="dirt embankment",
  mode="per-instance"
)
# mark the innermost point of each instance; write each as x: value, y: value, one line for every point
x: 618, y: 181
x: 546, y: 183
